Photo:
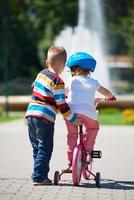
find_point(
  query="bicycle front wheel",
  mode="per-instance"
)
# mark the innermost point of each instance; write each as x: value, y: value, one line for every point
x: 77, y: 165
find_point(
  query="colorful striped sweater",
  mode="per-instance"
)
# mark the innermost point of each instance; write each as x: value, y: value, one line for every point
x: 48, y: 97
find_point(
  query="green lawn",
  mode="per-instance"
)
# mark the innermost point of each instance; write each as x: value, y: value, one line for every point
x: 104, y: 118
x: 111, y: 119
x: 4, y: 118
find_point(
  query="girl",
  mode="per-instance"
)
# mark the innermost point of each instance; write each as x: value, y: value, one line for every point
x: 81, y: 90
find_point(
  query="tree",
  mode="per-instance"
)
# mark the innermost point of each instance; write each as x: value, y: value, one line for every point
x: 25, y: 36
x: 118, y: 16
x: 128, y: 32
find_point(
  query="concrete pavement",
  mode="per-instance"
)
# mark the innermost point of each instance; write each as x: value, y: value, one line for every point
x: 116, y: 165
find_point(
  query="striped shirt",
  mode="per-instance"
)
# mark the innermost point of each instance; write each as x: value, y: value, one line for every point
x: 48, y: 97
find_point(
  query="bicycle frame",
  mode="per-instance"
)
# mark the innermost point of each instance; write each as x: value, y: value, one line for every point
x: 84, y: 152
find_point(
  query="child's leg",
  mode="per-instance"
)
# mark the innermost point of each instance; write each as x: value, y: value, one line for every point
x: 32, y: 137
x: 44, y: 135
x: 91, y: 128
x: 72, y: 135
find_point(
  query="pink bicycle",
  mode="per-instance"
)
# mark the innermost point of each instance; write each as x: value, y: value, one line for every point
x: 81, y: 164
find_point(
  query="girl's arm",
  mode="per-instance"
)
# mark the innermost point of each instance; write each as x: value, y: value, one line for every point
x: 106, y: 93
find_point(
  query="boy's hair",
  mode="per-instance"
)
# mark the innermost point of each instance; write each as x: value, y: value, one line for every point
x: 56, y: 54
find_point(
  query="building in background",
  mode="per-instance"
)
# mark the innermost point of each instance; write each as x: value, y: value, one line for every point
x: 121, y: 74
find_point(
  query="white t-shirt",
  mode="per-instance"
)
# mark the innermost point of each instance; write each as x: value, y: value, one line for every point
x: 81, y: 95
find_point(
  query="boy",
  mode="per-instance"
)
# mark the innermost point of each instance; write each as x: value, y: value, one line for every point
x: 48, y: 97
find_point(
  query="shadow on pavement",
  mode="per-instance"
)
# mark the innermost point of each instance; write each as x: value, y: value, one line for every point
x: 105, y: 184
x: 117, y: 185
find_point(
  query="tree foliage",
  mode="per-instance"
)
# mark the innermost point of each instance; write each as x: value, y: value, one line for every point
x: 30, y: 23
x: 120, y: 25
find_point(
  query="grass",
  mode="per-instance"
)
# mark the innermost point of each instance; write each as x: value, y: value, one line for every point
x: 105, y: 118
x: 111, y: 119
x: 4, y: 118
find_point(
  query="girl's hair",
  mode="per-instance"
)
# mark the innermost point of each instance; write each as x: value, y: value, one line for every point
x: 77, y: 70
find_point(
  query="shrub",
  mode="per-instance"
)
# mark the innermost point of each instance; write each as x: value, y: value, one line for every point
x: 128, y: 116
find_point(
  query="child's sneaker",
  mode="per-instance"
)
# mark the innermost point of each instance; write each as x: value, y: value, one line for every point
x: 46, y: 181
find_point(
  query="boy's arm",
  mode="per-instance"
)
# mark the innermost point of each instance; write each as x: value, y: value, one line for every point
x: 66, y: 91
x: 59, y: 96
x: 106, y: 93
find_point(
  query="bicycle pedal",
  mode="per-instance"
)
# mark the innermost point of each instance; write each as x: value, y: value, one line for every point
x: 96, y: 154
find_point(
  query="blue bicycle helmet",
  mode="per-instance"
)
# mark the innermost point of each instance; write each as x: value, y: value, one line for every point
x: 83, y: 60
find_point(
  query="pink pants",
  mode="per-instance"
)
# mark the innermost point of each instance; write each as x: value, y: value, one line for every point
x: 90, y: 129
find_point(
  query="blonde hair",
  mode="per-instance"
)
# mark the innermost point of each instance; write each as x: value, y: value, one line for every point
x: 56, y: 54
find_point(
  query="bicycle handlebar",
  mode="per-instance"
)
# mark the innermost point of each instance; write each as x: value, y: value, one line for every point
x: 97, y: 100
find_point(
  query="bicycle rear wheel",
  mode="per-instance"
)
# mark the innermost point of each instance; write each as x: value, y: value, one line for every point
x: 56, y: 177
x: 98, y: 179
x: 77, y: 165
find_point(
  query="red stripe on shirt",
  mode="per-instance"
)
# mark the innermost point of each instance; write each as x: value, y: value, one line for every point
x: 43, y: 98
